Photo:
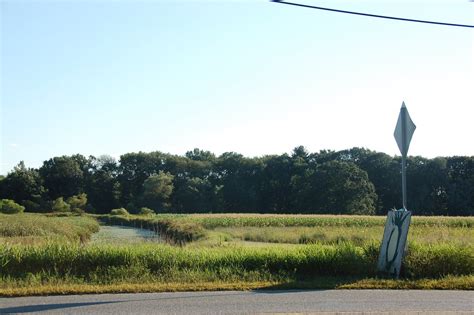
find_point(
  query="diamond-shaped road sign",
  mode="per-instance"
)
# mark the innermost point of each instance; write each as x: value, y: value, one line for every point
x: 404, y: 130
x: 396, y: 227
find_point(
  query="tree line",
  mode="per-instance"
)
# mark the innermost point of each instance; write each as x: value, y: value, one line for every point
x: 353, y: 181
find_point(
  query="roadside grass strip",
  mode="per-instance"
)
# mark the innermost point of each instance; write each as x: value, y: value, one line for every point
x: 55, y: 266
x: 445, y: 283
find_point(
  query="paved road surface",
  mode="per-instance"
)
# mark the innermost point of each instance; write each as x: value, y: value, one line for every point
x: 254, y: 302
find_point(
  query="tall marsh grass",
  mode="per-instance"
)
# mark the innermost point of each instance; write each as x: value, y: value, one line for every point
x: 28, y: 226
x: 171, y: 229
x: 106, y: 264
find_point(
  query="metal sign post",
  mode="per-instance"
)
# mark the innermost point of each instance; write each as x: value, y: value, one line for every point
x: 403, y: 134
x: 398, y: 221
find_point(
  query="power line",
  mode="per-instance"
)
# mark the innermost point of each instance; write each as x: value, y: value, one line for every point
x: 372, y: 15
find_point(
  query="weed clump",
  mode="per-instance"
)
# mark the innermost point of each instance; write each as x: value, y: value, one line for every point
x: 146, y: 211
x: 119, y: 211
x: 8, y: 206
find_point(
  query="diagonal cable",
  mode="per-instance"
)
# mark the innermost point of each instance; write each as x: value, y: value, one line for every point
x: 373, y: 15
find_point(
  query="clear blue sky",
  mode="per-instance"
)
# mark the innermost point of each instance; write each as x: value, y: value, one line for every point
x: 255, y: 77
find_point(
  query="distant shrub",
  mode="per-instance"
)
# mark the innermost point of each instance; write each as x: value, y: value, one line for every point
x: 146, y: 211
x: 119, y: 211
x: 77, y: 203
x: 59, y: 205
x: 10, y: 207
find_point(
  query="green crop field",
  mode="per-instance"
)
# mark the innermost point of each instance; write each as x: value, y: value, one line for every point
x: 219, y: 229
x: 41, y: 254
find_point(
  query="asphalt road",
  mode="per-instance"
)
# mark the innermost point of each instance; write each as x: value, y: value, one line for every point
x: 254, y: 302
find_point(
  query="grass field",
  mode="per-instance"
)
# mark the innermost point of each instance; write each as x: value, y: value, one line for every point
x: 335, y: 235
x: 226, y: 252
x: 283, y: 220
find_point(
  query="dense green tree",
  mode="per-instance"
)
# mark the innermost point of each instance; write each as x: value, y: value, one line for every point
x: 157, y: 190
x: 238, y: 179
x: 103, y: 188
x: 25, y: 186
x: 302, y: 164
x: 134, y: 169
x: 176, y: 165
x: 426, y: 186
x: 339, y: 187
x: 383, y: 172
x: 63, y: 176
x: 301, y: 161
x: 460, y: 192
x: 275, y: 180
x: 200, y: 155
x: 193, y: 195
x: 356, y: 180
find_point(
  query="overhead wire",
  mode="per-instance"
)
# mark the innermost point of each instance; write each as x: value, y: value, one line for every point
x: 373, y: 15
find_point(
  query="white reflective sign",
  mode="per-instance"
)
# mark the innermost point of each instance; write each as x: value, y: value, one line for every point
x: 393, y: 243
x: 404, y: 130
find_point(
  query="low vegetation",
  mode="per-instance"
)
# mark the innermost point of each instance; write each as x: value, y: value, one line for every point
x: 171, y: 229
x: 105, y: 265
x: 295, y: 229
x: 29, y: 228
x: 146, y: 211
x: 282, y: 220
x: 8, y: 206
x: 226, y: 252
x: 119, y: 211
